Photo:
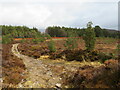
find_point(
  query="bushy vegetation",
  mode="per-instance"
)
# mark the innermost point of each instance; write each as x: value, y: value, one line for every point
x: 38, y: 38
x: 47, y: 36
x: 12, y: 67
x: 23, y: 41
x: 7, y: 39
x: 71, y: 42
x: 89, y: 37
x: 105, y: 76
x: 33, y: 50
x: 82, y: 55
x: 51, y: 46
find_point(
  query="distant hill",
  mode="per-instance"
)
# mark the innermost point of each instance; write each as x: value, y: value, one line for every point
x: 112, y: 31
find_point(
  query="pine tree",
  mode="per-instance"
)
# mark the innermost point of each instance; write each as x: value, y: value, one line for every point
x: 89, y: 37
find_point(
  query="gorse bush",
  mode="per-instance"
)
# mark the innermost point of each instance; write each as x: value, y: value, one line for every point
x: 89, y: 37
x: 51, y: 46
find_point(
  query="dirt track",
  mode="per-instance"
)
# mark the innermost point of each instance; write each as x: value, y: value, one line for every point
x: 39, y: 75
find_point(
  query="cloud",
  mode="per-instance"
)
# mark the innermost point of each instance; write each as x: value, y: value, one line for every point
x: 71, y: 13
x: 103, y: 14
x: 24, y: 14
x: 58, y: 1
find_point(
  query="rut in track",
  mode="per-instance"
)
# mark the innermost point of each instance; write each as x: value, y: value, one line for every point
x: 39, y: 75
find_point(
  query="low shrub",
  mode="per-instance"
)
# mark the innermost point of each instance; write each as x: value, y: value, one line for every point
x: 13, y: 78
x: 35, y: 41
x: 47, y: 36
x: 81, y: 55
x: 23, y: 41
x: 100, y: 77
x: 72, y: 80
x: 71, y: 43
x: 51, y: 46
x: 38, y: 40
x: 12, y: 67
x: 103, y: 57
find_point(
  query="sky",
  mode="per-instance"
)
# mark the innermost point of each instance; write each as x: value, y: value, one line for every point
x: 68, y: 13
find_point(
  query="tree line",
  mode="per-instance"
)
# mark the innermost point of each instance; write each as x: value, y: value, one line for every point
x: 10, y: 32
x: 57, y: 31
x: 19, y: 31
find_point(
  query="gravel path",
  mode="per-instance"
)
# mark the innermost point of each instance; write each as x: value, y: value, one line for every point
x: 39, y: 75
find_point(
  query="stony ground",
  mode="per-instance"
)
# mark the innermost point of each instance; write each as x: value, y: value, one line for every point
x: 38, y: 74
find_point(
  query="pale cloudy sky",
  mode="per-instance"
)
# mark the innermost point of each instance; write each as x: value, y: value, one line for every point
x: 70, y: 13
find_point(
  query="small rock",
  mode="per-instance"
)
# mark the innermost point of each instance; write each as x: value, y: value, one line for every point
x: 20, y: 86
x: 28, y: 83
x: 60, y: 78
x: 1, y: 80
x: 58, y: 85
x: 49, y: 73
